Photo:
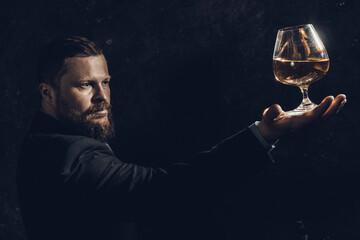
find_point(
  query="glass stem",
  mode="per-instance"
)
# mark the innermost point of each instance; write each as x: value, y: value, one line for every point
x: 306, y: 101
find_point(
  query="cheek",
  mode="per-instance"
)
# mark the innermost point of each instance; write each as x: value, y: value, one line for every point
x: 108, y: 95
x: 79, y: 101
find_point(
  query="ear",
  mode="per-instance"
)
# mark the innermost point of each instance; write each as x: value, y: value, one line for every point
x: 47, y: 93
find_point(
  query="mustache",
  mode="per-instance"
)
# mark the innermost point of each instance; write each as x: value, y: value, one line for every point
x: 98, y: 107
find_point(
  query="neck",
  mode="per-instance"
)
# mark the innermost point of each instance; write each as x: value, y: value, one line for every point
x: 46, y: 108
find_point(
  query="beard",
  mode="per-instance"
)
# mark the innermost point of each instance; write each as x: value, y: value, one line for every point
x: 85, y: 123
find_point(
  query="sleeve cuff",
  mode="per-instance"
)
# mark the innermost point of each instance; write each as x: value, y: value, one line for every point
x: 254, y: 129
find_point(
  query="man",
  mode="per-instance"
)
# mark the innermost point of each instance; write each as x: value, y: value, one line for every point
x: 72, y: 186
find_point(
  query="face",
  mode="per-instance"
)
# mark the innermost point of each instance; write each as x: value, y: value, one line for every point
x: 83, y: 97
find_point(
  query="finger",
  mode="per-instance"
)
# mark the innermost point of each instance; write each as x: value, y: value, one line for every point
x: 316, y: 114
x: 272, y: 113
x: 335, y: 107
x: 341, y: 106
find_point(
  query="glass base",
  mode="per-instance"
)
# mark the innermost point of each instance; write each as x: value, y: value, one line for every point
x: 302, y: 108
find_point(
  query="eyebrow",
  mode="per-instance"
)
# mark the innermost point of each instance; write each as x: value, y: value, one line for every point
x: 92, y: 80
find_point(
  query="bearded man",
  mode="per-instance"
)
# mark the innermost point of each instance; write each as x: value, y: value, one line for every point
x: 71, y: 184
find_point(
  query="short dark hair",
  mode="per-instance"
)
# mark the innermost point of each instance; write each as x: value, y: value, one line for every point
x: 51, y: 62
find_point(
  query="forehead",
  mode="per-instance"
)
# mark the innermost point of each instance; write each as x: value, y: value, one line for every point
x: 91, y: 68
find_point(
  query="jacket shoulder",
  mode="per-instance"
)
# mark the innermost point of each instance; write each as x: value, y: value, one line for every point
x: 60, y: 152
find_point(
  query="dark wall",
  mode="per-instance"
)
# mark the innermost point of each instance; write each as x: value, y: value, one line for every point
x: 187, y: 74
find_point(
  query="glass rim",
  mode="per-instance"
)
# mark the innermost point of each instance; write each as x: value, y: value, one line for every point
x: 296, y: 27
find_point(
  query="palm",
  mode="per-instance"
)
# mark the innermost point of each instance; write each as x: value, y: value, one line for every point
x: 276, y: 122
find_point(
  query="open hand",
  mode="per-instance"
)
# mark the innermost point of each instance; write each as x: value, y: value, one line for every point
x: 276, y: 122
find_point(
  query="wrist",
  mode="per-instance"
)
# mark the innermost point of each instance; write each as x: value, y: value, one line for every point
x: 268, y: 133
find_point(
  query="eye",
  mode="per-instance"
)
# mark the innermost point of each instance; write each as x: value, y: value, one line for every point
x: 84, y: 85
x: 106, y: 83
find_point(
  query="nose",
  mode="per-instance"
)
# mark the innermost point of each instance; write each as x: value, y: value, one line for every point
x: 100, y: 95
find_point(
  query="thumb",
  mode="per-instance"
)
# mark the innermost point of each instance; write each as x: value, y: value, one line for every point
x: 272, y: 113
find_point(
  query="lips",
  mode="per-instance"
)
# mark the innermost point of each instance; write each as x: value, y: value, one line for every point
x: 104, y: 111
x: 99, y: 114
x: 98, y: 111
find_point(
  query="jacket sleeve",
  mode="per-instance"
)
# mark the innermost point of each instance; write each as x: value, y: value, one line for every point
x: 93, y: 173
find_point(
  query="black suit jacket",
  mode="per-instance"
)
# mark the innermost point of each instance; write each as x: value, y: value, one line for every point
x: 74, y: 187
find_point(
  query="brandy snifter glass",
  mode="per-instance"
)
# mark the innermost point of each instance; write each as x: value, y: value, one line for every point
x: 300, y: 59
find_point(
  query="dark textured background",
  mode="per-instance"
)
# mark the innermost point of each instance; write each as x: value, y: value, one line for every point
x: 187, y: 74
